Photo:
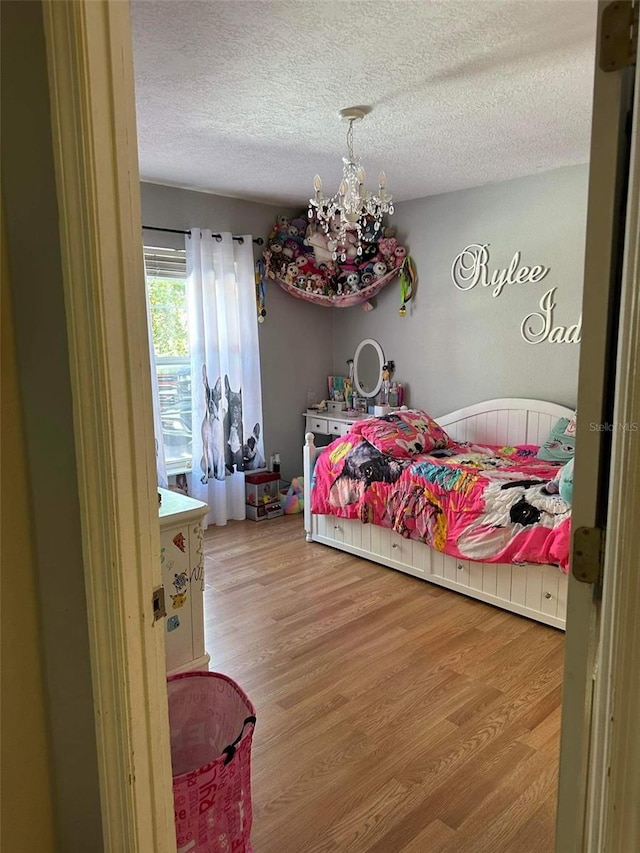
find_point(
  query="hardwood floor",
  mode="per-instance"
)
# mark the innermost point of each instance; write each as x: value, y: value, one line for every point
x: 393, y: 716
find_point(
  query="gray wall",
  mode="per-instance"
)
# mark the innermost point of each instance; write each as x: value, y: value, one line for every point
x: 455, y: 348
x: 296, y: 337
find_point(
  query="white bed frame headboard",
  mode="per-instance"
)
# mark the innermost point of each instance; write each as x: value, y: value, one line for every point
x: 506, y: 421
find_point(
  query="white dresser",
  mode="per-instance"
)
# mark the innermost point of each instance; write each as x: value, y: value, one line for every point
x: 182, y: 561
x: 331, y: 423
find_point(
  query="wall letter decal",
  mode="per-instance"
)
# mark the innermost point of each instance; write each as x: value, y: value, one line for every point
x: 471, y: 267
x: 548, y: 332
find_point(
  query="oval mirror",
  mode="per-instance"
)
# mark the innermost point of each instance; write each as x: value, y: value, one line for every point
x: 367, y: 367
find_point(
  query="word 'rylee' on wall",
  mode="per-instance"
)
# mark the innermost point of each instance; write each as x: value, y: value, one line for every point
x: 471, y: 267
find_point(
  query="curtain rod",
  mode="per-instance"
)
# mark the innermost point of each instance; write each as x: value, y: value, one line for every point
x: 258, y: 240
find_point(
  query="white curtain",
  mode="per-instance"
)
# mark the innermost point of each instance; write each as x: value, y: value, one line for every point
x: 157, y: 415
x: 225, y: 371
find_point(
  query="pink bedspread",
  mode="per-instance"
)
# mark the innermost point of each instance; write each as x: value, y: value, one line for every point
x: 489, y: 504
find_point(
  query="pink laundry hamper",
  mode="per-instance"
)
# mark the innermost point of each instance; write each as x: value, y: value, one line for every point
x: 211, y: 722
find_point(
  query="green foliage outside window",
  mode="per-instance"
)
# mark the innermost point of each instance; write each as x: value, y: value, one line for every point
x: 168, y: 307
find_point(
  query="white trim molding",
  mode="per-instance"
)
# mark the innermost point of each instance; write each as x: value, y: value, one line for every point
x: 89, y: 51
x: 614, y: 772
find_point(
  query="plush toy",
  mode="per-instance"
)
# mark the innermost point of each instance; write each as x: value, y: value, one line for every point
x: 291, y: 273
x: 347, y: 251
x: 291, y: 248
x: 379, y: 269
x: 400, y: 253
x: 305, y: 263
x: 565, y: 481
x: 311, y: 257
x: 348, y: 281
x: 353, y: 280
x: 317, y: 283
x: 350, y: 248
x: 275, y: 247
x: 370, y: 253
x: 387, y: 246
x: 292, y: 500
x: 318, y: 242
x: 366, y: 275
x: 328, y: 271
x: 349, y: 266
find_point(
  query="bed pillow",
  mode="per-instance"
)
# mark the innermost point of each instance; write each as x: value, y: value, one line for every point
x: 565, y: 482
x: 402, y: 435
x: 561, y: 442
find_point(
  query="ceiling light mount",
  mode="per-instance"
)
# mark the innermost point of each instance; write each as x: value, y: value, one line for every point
x: 354, y: 113
x: 352, y: 209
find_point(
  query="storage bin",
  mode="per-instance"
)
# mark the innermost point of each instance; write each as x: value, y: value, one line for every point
x: 211, y: 722
x: 262, y: 488
x: 262, y: 512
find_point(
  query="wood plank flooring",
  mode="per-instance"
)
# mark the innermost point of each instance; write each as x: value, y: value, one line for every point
x: 393, y: 716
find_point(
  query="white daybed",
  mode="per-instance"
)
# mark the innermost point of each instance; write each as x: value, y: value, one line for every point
x: 536, y: 591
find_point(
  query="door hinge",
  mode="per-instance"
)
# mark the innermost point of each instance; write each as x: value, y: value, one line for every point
x: 619, y: 35
x: 159, y: 610
x: 588, y: 554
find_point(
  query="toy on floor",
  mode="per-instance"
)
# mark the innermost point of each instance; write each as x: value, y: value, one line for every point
x: 292, y: 500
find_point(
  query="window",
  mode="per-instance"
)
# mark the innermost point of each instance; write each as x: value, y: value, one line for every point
x: 166, y: 284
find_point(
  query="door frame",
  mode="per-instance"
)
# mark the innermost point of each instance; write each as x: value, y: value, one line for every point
x: 89, y: 48
x: 613, y: 791
x: 90, y: 67
x: 597, y: 784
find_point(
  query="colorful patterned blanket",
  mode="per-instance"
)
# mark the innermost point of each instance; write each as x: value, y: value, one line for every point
x: 477, y: 502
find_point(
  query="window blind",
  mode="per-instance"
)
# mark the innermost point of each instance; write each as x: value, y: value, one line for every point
x: 165, y: 263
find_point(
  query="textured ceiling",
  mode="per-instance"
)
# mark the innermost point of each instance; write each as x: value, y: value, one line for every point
x: 240, y: 97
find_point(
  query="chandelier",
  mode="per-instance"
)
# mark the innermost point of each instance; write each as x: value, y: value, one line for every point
x: 352, y: 214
